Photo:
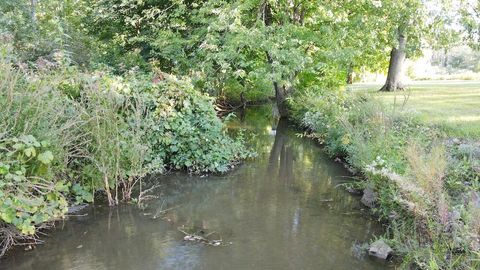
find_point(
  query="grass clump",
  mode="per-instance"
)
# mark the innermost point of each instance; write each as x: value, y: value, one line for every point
x: 418, y: 177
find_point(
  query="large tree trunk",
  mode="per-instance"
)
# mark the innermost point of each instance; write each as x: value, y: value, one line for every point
x: 445, y: 58
x: 281, y: 94
x: 397, y: 58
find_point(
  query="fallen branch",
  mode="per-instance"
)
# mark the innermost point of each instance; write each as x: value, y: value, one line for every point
x: 194, y: 237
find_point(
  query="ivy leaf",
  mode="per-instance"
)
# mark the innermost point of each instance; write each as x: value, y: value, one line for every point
x: 30, y: 152
x: 18, y: 146
x: 45, y: 157
x: 60, y: 186
x: 8, y: 215
x: 27, y: 228
x: 88, y: 197
x: 4, y: 168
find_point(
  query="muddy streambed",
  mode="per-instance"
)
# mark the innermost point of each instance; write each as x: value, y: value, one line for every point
x: 283, y: 210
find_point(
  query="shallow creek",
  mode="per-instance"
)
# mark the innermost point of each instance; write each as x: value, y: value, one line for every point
x: 282, y: 210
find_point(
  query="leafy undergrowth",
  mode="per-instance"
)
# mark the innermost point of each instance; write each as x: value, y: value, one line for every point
x: 426, y: 186
x: 66, y: 134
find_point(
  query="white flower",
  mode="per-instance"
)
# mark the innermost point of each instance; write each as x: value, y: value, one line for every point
x: 377, y: 3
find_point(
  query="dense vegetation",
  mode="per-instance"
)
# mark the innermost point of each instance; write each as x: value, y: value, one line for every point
x: 96, y: 94
x: 67, y: 134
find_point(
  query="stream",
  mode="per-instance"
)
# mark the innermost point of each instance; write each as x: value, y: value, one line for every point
x: 281, y: 210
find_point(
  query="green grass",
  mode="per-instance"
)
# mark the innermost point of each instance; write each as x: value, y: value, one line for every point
x: 454, y: 106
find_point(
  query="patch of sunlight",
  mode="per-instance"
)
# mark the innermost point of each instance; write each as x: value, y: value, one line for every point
x: 463, y: 118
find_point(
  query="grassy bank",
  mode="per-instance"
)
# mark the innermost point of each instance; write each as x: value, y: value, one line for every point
x: 452, y: 105
x: 423, y: 184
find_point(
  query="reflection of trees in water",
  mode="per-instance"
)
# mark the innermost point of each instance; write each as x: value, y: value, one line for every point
x: 302, y: 167
x: 280, y: 163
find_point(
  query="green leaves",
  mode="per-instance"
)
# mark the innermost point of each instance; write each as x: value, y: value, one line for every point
x: 30, y: 152
x: 188, y: 134
x: 7, y: 214
x: 82, y: 194
x: 29, y: 195
x: 4, y: 168
x: 45, y: 157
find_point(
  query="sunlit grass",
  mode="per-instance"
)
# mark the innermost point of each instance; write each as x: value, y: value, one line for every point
x: 454, y: 106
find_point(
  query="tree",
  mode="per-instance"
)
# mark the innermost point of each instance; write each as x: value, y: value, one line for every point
x: 397, y: 58
x: 281, y: 47
x: 470, y: 19
x: 404, y: 21
x: 40, y: 28
x: 413, y: 24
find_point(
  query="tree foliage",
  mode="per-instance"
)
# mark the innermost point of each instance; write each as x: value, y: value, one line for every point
x: 98, y: 93
x: 470, y: 19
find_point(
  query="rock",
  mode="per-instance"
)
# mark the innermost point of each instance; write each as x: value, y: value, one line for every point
x: 455, y: 215
x: 354, y: 191
x: 380, y: 249
x: 351, y: 169
x: 369, y: 197
x: 359, y: 250
x: 452, y: 142
x: 475, y: 199
x: 393, y: 215
x: 470, y: 149
x: 476, y: 169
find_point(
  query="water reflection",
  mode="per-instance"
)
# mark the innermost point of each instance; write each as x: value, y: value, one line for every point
x: 281, y: 211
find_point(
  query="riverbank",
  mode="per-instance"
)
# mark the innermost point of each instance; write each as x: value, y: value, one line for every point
x: 424, y: 184
x: 68, y: 135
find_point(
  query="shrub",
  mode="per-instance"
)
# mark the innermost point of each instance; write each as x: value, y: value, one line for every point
x: 187, y: 132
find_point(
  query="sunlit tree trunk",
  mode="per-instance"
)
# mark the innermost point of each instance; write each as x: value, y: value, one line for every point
x: 445, y: 57
x: 281, y: 94
x: 350, y: 75
x: 397, y: 58
x: 33, y: 6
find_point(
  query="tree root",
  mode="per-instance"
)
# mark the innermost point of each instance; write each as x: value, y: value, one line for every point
x: 11, y: 236
x: 391, y: 88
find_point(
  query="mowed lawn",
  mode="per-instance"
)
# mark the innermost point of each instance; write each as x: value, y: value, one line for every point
x: 452, y: 105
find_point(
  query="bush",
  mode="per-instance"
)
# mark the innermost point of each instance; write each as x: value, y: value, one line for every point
x: 188, y: 134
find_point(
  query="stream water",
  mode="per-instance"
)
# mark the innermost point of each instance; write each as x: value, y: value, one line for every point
x: 282, y: 210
